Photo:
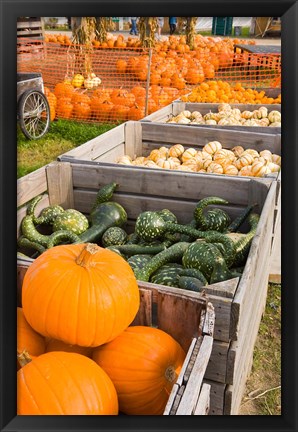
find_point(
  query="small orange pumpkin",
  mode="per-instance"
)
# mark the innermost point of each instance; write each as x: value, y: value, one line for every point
x: 144, y: 364
x: 57, y: 345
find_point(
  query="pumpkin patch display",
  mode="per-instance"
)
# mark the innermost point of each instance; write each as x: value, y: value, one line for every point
x: 64, y: 383
x: 81, y: 294
x: 144, y: 364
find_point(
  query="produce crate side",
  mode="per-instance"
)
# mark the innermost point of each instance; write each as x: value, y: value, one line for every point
x: 217, y: 397
x: 106, y: 144
x: 155, y: 135
x: 189, y: 395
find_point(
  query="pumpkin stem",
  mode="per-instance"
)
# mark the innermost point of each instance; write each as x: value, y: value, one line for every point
x: 86, y: 254
x: 23, y: 358
x: 170, y: 374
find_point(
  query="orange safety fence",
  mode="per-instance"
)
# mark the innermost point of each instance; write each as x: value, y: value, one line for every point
x: 114, y: 84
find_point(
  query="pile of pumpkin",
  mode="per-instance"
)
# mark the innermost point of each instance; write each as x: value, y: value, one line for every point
x: 228, y: 116
x: 106, y: 104
x: 223, y: 92
x: 77, y: 353
x: 213, y: 158
x: 57, y: 38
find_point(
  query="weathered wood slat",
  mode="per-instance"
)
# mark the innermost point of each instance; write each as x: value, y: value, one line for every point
x: 201, y: 136
x: 31, y: 185
x: 60, y: 187
x: 203, y: 404
x: 96, y: 147
x: 133, y: 139
x: 144, y: 315
x: 186, y: 362
x: 217, y: 366
x: 144, y: 181
x: 217, y: 397
x: 190, y: 394
x: 172, y: 308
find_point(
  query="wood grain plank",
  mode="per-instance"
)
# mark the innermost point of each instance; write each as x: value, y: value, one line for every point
x: 217, y: 366
x: 144, y: 315
x: 171, y: 309
x: 192, y: 389
x: 203, y: 404
x: 133, y: 139
x: 31, y: 185
x: 98, y: 146
x: 60, y: 187
x: 217, y: 397
x: 171, y: 399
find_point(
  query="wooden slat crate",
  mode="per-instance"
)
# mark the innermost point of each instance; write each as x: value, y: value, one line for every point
x: 138, y: 139
x: 235, y: 301
x: 176, y: 107
x: 189, y: 396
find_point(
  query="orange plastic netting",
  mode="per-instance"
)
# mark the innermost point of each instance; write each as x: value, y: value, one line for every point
x: 111, y: 84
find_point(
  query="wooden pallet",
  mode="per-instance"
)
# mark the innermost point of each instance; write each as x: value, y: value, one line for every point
x: 30, y: 36
x: 189, y: 395
x: 237, y: 303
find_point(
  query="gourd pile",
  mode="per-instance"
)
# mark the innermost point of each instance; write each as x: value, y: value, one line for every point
x: 223, y: 92
x: 213, y: 158
x: 228, y: 116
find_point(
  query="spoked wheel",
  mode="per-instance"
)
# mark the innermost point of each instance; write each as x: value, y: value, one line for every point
x: 34, y: 114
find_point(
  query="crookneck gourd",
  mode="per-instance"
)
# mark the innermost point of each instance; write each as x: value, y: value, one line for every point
x: 47, y: 215
x: 104, y: 194
x: 214, y: 219
x: 71, y: 220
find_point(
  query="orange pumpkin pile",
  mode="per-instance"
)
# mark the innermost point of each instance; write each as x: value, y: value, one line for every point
x: 78, y: 301
x: 222, y: 91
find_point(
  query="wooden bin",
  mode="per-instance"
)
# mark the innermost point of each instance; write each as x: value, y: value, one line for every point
x: 138, y: 139
x: 30, y: 35
x: 176, y: 107
x: 238, y: 303
x: 194, y: 332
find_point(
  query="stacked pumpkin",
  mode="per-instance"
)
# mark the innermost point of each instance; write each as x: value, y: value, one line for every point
x: 213, y: 158
x: 78, y: 301
x: 223, y: 92
x: 52, y: 100
x: 228, y: 116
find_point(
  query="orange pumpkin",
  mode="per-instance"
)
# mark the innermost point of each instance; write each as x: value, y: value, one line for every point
x: 64, y: 107
x: 121, y: 66
x: 81, y: 111
x: 57, y: 345
x: 64, y: 384
x: 27, y: 338
x: 136, y: 112
x: 81, y: 294
x: 63, y: 89
x: 119, y: 112
x: 144, y: 364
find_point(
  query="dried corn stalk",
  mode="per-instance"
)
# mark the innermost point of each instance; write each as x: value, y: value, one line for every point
x: 83, y: 35
x: 103, y: 25
x: 191, y: 31
x: 147, y: 28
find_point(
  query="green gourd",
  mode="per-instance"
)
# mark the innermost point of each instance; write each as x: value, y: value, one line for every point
x: 26, y: 243
x: 190, y: 283
x: 137, y: 262
x: 132, y: 249
x: 214, y: 219
x: 104, y: 194
x: 114, y: 236
x: 47, y: 215
x: 173, y: 253
x: 71, y: 220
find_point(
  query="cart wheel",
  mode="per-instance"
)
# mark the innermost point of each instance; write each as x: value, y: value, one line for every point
x: 34, y: 114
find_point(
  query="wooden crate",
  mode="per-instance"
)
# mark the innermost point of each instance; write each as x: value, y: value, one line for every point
x: 176, y: 107
x: 138, y: 139
x: 74, y: 185
x: 191, y: 323
x: 30, y: 36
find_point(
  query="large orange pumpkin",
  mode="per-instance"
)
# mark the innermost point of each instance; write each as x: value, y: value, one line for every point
x: 143, y: 363
x: 60, y: 383
x: 27, y: 338
x: 81, y: 294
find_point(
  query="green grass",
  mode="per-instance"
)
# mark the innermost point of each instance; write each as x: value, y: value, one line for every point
x: 62, y: 136
x: 263, y: 392
x: 244, y: 33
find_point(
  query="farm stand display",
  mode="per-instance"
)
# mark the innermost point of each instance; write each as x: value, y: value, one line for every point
x: 118, y: 80
x: 174, y: 110
x: 189, y: 395
x: 238, y: 303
